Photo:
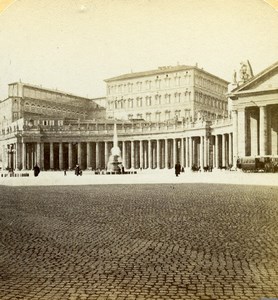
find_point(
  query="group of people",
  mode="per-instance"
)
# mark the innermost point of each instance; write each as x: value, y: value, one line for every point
x: 78, y: 171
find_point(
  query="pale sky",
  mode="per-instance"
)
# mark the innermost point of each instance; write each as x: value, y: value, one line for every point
x: 73, y: 45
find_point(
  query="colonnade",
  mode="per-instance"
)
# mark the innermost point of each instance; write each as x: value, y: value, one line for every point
x: 153, y: 153
x: 255, y: 131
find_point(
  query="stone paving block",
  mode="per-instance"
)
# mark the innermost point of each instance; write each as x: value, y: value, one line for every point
x: 196, y: 241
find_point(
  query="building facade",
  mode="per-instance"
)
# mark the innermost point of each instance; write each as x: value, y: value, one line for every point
x: 57, y: 141
x: 170, y: 93
x: 255, y: 115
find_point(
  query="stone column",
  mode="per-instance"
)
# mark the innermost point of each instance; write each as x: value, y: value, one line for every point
x: 3, y: 157
x: 182, y: 152
x: 89, y: 156
x: 42, y: 156
x: 174, y: 152
x: 202, y: 152
x: 213, y: 153
x: 98, y: 166
x: 79, y: 154
x: 194, y: 158
x: 157, y: 154
x: 223, y: 150
x: 263, y: 131
x: 51, y: 154
x: 70, y: 156
x: 105, y: 153
x: 190, y: 154
x: 145, y: 145
x: 205, y: 151
x: 141, y: 163
x: 274, y: 132
x: 38, y: 160
x: 124, y: 154
x: 209, y: 150
x: 230, y: 161
x: 166, y: 154
x: 24, y: 167
x: 149, y: 154
x: 235, y: 137
x: 186, y: 153
x: 132, y: 154
x: 9, y: 157
x: 27, y: 156
x: 254, y: 132
x: 61, y: 156
x: 18, y: 155
x: 136, y: 150
x: 216, y: 152
x: 241, y: 132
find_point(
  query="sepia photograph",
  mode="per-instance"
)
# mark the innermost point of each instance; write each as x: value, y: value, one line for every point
x: 138, y: 149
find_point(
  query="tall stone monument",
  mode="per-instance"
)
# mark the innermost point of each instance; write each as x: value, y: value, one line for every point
x: 115, y: 158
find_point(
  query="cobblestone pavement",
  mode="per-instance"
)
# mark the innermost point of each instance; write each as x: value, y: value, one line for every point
x: 160, y: 241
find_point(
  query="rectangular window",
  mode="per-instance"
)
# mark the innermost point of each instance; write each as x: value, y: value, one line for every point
x: 158, y: 83
x: 148, y: 116
x: 168, y: 98
x: 157, y: 117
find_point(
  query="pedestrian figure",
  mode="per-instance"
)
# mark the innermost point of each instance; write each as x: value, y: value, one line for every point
x: 177, y: 169
x: 65, y: 172
x: 123, y: 169
x: 36, y: 170
x: 77, y: 170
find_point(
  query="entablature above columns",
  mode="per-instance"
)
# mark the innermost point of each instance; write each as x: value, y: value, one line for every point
x: 262, y: 100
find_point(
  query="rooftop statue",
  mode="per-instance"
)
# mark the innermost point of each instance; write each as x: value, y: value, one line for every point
x: 245, y: 71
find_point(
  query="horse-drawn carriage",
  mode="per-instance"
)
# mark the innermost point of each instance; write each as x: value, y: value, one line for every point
x: 265, y: 164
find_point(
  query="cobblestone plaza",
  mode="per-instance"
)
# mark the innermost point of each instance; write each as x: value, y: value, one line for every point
x: 155, y: 241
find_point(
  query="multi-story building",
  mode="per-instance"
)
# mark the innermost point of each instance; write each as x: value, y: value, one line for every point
x: 29, y: 101
x: 182, y: 93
